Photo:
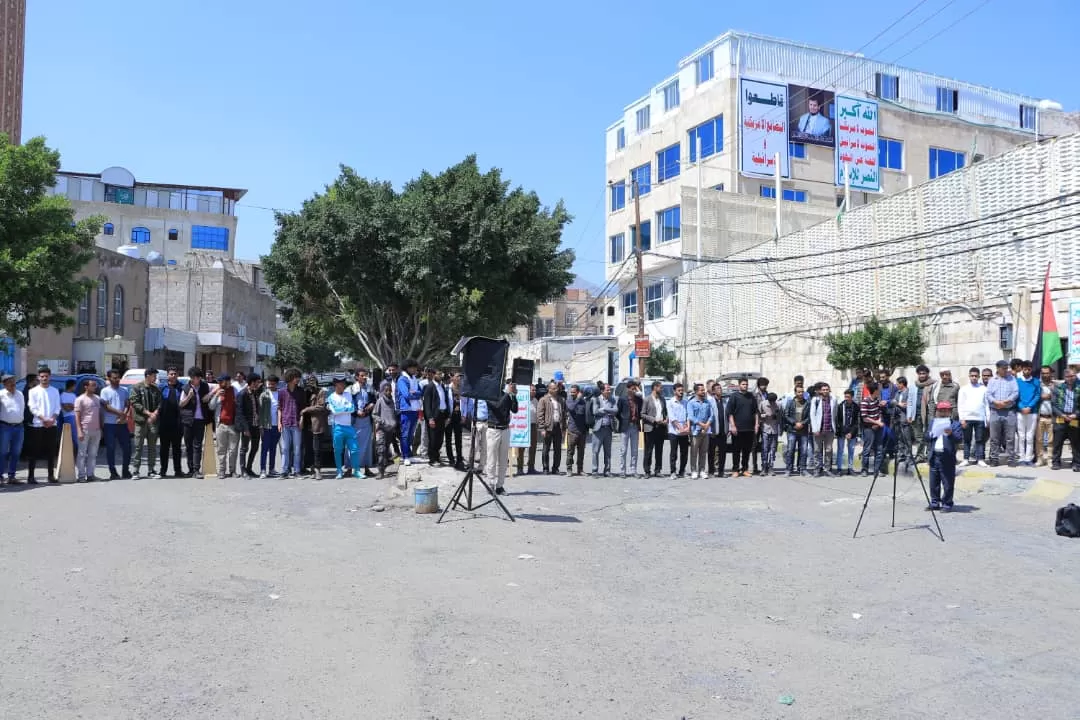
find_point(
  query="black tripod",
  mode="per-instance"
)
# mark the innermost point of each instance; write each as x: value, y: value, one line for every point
x: 903, y: 446
x: 465, y: 488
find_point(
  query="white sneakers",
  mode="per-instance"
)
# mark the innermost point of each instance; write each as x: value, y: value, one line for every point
x: 406, y: 461
x: 963, y: 463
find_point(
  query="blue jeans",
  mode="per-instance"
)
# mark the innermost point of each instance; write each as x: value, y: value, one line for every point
x: 270, y: 437
x: 841, y: 443
x: 11, y: 442
x: 345, y: 437
x: 798, y: 442
x: 291, y: 450
x: 873, y: 444
x: 117, y: 433
x: 408, y: 424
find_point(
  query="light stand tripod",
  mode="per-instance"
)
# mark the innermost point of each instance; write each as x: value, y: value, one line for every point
x: 465, y: 488
x: 903, y: 446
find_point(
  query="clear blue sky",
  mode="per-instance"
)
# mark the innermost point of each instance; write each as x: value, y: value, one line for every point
x: 264, y: 96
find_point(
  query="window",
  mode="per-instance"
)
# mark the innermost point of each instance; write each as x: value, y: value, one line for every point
x: 768, y: 191
x: 571, y: 318
x: 549, y: 327
x: 943, y: 162
x: 84, y: 311
x: 118, y: 310
x: 642, y: 175
x: 1028, y: 115
x: 629, y: 303
x: 642, y: 117
x: 704, y: 67
x: 947, y: 100
x: 140, y: 235
x: 719, y: 188
x: 646, y: 236
x: 654, y: 301
x: 107, y: 228
x: 887, y: 87
x: 205, y: 237
x: 709, y: 135
x: 618, y: 195
x: 671, y: 95
x: 890, y: 154
x: 620, y: 138
x: 670, y: 222
x: 174, y: 234
x: 839, y: 201
x: 675, y: 296
x: 667, y: 163
x: 102, y: 302
x: 617, y: 243
x: 797, y: 150
x: 610, y: 329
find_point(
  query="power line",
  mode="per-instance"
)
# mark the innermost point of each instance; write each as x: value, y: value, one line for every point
x: 945, y: 29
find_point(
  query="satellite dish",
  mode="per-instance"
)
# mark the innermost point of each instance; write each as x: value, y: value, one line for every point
x: 155, y: 258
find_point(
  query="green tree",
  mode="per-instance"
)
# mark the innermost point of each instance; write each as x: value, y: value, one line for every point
x: 42, y: 248
x: 387, y: 275
x: 877, y: 346
x: 663, y: 362
x: 294, y: 348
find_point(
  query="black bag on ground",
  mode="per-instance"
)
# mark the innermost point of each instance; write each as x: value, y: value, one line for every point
x: 1068, y: 521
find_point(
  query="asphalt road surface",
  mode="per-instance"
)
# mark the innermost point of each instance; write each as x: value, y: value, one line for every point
x: 237, y: 599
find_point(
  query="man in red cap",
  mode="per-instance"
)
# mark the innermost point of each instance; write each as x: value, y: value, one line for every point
x: 941, y: 438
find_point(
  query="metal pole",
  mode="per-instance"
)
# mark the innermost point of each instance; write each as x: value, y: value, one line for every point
x: 700, y: 161
x: 847, y: 188
x: 640, y: 273
x: 779, y: 192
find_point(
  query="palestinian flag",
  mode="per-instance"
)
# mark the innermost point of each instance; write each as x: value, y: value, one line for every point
x: 1048, y: 343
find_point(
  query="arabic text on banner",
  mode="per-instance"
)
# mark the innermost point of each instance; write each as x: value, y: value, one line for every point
x: 857, y: 143
x: 1074, y: 332
x: 521, y: 421
x: 763, y: 118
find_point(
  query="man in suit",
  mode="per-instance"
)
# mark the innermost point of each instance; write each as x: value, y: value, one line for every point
x: 604, y: 412
x: 551, y: 422
x: 436, y: 402
x: 630, y: 425
x: 654, y: 423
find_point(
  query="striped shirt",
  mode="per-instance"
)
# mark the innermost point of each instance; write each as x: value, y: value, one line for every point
x: 869, y: 410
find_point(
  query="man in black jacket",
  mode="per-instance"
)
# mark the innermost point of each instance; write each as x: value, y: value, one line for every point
x: 170, y: 431
x: 195, y: 413
x: 797, y: 422
x: 848, y: 430
x: 498, y: 437
x: 742, y: 418
x: 247, y: 423
x: 436, y: 405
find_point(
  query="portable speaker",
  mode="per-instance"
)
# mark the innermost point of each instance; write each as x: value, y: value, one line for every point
x: 483, y: 367
x: 522, y: 373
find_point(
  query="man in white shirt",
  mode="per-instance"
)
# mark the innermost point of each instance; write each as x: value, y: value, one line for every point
x: 114, y: 399
x: 12, y: 406
x: 44, y: 404
x: 971, y: 410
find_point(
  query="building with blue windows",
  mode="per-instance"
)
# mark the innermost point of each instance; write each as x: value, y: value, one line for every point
x: 173, y: 220
x: 744, y: 109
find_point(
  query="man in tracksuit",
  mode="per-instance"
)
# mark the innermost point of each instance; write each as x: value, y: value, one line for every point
x: 409, y: 397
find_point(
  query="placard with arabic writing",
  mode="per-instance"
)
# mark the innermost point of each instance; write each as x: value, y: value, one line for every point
x: 857, y: 143
x: 763, y: 118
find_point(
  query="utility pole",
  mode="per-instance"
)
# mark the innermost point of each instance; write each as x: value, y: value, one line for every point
x: 640, y: 272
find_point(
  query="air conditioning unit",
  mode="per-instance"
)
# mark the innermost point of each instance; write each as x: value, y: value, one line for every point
x: 241, y: 330
x: 1005, y: 336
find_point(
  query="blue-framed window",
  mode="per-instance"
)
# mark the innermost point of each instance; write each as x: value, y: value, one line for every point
x: 719, y: 188
x: 670, y: 223
x: 629, y: 303
x: 667, y: 163
x: 887, y: 87
x: 890, y: 154
x: 675, y: 296
x: 768, y: 191
x: 620, y: 138
x: 1028, y: 113
x: 797, y: 150
x: 943, y: 162
x: 947, y: 100
x: 641, y: 117
x: 711, y: 136
x: 704, y: 67
x: 108, y: 229
x: 654, y: 301
x: 642, y: 175
x: 617, y: 247
x: 174, y: 234
x: 671, y: 95
x: 618, y: 195
x: 207, y: 237
x: 140, y: 235
x: 646, y: 236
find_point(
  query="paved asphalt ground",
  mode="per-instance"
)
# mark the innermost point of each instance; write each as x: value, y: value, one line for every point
x: 643, y: 599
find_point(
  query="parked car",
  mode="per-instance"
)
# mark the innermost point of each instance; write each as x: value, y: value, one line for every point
x: 58, y: 381
x: 667, y: 390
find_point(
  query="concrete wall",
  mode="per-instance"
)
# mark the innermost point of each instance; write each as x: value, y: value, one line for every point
x: 210, y: 300
x: 158, y: 221
x: 117, y: 270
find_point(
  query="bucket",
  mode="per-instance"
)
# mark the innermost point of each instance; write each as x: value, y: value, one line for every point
x: 426, y: 499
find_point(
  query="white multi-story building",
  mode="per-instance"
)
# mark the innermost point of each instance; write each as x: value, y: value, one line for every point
x: 838, y: 123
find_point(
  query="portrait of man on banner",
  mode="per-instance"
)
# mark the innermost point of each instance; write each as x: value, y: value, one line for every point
x: 811, y: 116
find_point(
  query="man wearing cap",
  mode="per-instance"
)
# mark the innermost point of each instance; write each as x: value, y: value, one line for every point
x: 341, y: 407
x: 146, y: 405
x: 12, y: 406
x: 1001, y: 395
x: 941, y: 437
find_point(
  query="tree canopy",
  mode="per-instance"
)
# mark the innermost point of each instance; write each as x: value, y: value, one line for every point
x: 386, y: 275
x: 663, y: 362
x: 294, y: 348
x: 42, y: 248
x: 877, y: 346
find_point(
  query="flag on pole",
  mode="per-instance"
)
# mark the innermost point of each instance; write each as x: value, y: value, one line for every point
x: 1048, y: 342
